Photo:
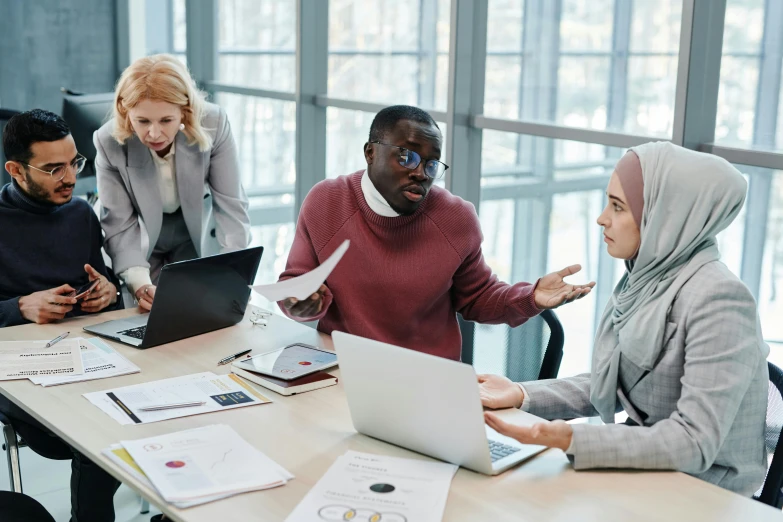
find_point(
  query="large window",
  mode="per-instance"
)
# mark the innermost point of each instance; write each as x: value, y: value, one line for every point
x: 598, y: 64
x: 389, y: 52
x: 257, y: 43
x: 346, y: 133
x: 557, y: 91
x: 771, y: 294
x: 739, y: 79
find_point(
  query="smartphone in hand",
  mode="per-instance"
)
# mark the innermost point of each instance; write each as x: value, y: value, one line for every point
x: 84, y: 290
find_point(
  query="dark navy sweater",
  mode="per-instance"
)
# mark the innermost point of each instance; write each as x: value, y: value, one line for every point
x: 43, y: 246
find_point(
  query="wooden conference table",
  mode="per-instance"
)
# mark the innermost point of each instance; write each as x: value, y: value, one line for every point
x: 306, y: 433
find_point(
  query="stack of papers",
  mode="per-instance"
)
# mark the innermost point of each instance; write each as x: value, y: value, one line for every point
x: 199, y: 465
x: 217, y: 392
x: 99, y: 360
x: 27, y: 359
x: 361, y: 486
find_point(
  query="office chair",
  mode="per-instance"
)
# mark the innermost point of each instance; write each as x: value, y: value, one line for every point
x: 84, y: 114
x: 770, y: 492
x: 11, y: 446
x: 534, y: 350
x: 17, y: 507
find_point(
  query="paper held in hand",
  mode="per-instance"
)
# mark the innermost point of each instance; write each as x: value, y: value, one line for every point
x: 305, y: 285
x: 27, y: 359
x: 200, y: 465
x: 362, y: 486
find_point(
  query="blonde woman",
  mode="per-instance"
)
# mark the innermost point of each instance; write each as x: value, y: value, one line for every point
x: 168, y: 175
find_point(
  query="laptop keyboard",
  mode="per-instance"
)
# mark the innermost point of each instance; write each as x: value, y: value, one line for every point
x: 498, y: 450
x: 136, y: 333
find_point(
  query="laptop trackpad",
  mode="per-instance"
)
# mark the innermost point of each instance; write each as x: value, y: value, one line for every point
x: 133, y: 322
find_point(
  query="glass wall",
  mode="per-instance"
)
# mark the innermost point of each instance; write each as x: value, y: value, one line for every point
x: 568, y: 86
x: 257, y: 43
x: 599, y: 64
x: 389, y: 52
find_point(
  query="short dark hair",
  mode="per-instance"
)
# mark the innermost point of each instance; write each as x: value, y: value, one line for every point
x: 387, y: 118
x: 30, y: 127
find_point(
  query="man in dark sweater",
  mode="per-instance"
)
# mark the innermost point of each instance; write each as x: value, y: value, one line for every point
x: 50, y: 245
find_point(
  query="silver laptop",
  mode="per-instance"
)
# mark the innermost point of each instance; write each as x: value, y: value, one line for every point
x: 193, y: 297
x: 426, y: 404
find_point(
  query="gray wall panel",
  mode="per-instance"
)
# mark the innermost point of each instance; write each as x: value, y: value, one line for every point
x: 48, y: 44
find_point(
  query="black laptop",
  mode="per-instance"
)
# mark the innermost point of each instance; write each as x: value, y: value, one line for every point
x: 193, y: 297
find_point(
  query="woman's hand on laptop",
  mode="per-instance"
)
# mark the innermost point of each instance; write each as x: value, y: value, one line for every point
x: 145, y: 295
x: 552, y: 434
x: 498, y: 392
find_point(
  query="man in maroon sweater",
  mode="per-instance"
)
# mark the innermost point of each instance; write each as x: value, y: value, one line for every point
x: 415, y: 258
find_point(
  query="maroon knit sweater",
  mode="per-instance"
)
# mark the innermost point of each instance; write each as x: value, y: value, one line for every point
x: 404, y: 278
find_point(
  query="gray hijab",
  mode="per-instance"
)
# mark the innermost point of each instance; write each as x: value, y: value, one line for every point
x: 689, y: 197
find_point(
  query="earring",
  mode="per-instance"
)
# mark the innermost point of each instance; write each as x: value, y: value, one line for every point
x: 181, y: 126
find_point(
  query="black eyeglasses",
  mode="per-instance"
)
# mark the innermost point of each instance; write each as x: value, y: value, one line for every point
x: 411, y: 160
x: 58, y: 173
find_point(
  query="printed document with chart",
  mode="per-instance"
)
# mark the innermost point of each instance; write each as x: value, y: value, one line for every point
x: 217, y: 392
x: 204, y: 463
x: 362, y: 487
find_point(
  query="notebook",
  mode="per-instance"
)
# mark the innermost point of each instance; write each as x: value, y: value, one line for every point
x: 307, y: 383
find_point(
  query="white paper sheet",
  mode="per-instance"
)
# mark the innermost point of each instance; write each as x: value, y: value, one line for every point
x: 100, y: 361
x: 204, y: 463
x: 366, y: 487
x: 25, y: 359
x: 305, y: 285
x: 120, y: 456
x: 219, y: 392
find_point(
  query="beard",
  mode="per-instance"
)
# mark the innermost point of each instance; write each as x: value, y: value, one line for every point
x: 38, y: 192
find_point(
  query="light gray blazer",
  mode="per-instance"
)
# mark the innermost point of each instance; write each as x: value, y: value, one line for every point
x: 131, y: 208
x: 702, y: 407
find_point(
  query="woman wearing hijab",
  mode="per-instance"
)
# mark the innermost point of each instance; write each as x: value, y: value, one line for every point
x: 679, y: 346
x: 168, y: 175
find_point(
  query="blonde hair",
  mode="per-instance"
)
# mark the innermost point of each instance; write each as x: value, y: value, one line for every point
x: 160, y: 77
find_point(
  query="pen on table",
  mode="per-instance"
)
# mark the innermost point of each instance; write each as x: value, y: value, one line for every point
x: 173, y: 405
x: 57, y: 339
x: 232, y: 357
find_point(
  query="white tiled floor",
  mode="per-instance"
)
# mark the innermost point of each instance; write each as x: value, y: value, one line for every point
x: 48, y: 481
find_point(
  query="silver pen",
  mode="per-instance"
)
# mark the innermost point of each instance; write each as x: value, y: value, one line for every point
x: 172, y: 406
x: 57, y: 339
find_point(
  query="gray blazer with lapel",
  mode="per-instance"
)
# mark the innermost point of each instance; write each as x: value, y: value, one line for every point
x: 700, y: 410
x: 129, y: 192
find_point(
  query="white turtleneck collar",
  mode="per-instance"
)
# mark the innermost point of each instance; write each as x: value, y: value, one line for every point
x: 374, y: 199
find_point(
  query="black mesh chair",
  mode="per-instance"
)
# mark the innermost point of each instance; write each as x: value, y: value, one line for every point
x: 532, y: 351
x: 770, y: 492
x: 16, y: 507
